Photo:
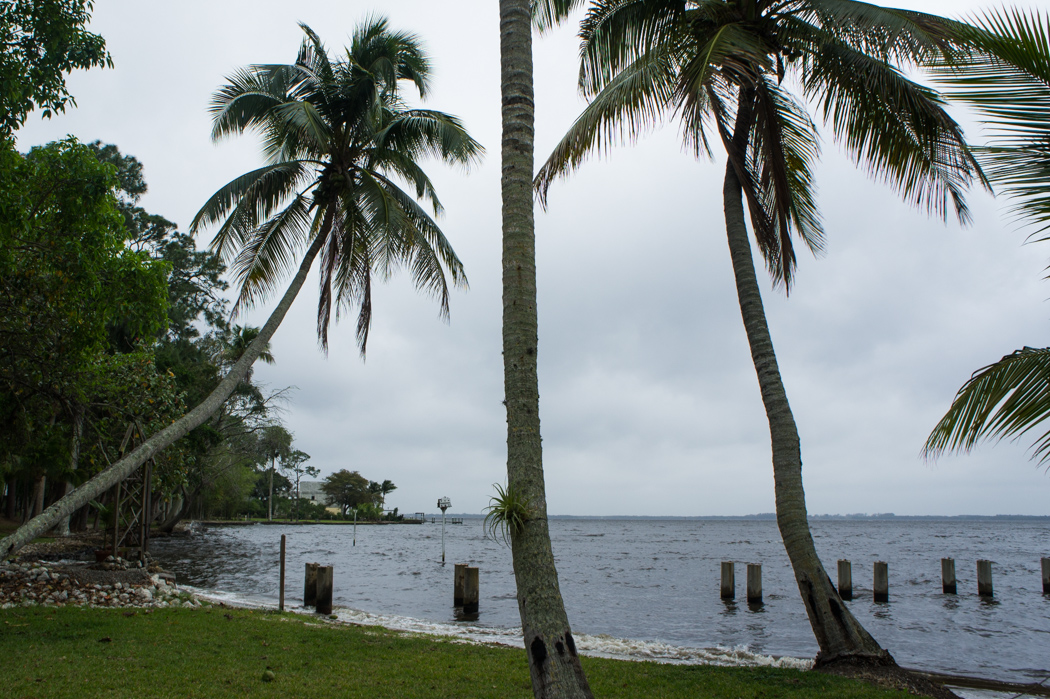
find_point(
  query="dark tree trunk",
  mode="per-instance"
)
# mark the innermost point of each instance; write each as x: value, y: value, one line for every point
x: 839, y: 635
x: 553, y: 663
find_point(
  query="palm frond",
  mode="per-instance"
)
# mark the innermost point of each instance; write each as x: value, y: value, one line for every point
x: 784, y: 147
x: 616, y: 33
x: 895, y: 126
x: 270, y: 253
x: 1005, y: 75
x: 634, y: 101
x: 1005, y: 399
x: 251, y: 198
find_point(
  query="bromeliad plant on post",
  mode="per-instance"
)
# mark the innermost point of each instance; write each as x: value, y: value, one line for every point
x: 725, y: 69
x: 338, y: 137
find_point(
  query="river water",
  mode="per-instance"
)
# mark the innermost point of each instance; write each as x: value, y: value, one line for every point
x: 650, y: 588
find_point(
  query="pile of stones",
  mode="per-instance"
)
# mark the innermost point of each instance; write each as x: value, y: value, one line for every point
x: 118, y: 585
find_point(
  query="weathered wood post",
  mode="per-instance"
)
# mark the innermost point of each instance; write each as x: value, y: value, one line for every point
x: 280, y: 605
x: 984, y: 578
x: 948, y: 576
x: 471, y: 590
x: 845, y: 579
x: 324, y: 589
x: 1046, y: 575
x: 728, y: 580
x: 754, y: 583
x: 882, y: 582
x: 459, y: 581
x: 310, y: 589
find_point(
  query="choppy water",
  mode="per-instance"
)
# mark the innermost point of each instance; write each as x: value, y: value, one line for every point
x: 650, y: 588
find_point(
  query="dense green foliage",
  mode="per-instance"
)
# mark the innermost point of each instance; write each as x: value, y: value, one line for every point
x: 224, y: 652
x: 40, y: 42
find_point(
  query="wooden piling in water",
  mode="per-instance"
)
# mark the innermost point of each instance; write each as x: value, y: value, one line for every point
x: 948, y: 585
x: 1046, y: 575
x: 280, y: 606
x: 728, y: 580
x: 984, y: 578
x: 754, y: 583
x: 882, y: 582
x: 845, y: 579
x: 310, y: 588
x: 324, y: 589
x: 471, y: 590
x: 459, y: 580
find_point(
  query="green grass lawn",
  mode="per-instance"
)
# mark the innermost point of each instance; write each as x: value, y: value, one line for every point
x: 217, y: 652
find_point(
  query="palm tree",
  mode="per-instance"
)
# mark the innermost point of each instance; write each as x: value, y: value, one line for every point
x: 384, y: 488
x: 553, y: 663
x: 335, y: 134
x: 1004, y: 72
x: 724, y: 68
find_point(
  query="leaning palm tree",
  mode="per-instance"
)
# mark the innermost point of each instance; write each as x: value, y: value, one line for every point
x: 337, y: 136
x: 1004, y: 73
x: 553, y: 663
x: 726, y: 70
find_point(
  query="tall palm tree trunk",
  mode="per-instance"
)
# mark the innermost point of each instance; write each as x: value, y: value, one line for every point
x: 553, y: 663
x: 839, y: 635
x: 178, y: 429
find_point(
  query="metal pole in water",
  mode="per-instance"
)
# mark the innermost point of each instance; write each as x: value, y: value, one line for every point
x: 281, y: 606
x: 355, y: 526
x: 443, y: 504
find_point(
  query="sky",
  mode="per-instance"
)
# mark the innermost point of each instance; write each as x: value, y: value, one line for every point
x: 648, y: 399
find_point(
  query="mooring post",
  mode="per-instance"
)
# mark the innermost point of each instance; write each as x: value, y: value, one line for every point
x: 1046, y: 575
x: 310, y: 589
x: 948, y: 576
x: 754, y: 583
x: 728, y: 580
x: 845, y: 579
x: 280, y: 606
x: 324, y: 589
x: 984, y: 578
x: 882, y: 582
x: 459, y: 581
x: 471, y: 590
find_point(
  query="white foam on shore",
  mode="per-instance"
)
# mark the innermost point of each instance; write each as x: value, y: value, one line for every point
x: 600, y: 645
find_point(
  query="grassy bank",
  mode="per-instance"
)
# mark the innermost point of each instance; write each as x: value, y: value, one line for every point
x: 70, y: 652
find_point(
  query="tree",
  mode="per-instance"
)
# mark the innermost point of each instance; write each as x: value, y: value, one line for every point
x: 347, y: 490
x: 720, y: 66
x: 274, y: 443
x: 385, y: 488
x: 295, y: 464
x: 1005, y: 74
x: 337, y: 134
x: 42, y: 41
x: 554, y: 665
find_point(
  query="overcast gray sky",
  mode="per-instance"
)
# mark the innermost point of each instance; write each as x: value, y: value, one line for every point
x: 649, y: 401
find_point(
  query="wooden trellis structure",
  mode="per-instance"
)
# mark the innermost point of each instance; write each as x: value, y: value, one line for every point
x: 133, y: 500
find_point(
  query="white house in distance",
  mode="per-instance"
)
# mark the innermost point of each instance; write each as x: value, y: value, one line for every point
x: 311, y: 490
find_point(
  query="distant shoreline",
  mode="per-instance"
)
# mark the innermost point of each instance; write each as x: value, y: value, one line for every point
x: 764, y: 516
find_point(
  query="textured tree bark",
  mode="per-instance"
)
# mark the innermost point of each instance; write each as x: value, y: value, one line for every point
x: 839, y: 635
x: 553, y: 663
x: 62, y: 528
x: 127, y: 465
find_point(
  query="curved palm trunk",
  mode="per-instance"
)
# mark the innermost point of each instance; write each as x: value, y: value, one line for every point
x: 178, y: 429
x: 838, y: 633
x: 553, y: 663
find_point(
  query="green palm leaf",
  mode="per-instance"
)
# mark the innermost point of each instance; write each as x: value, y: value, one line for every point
x: 1005, y: 399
